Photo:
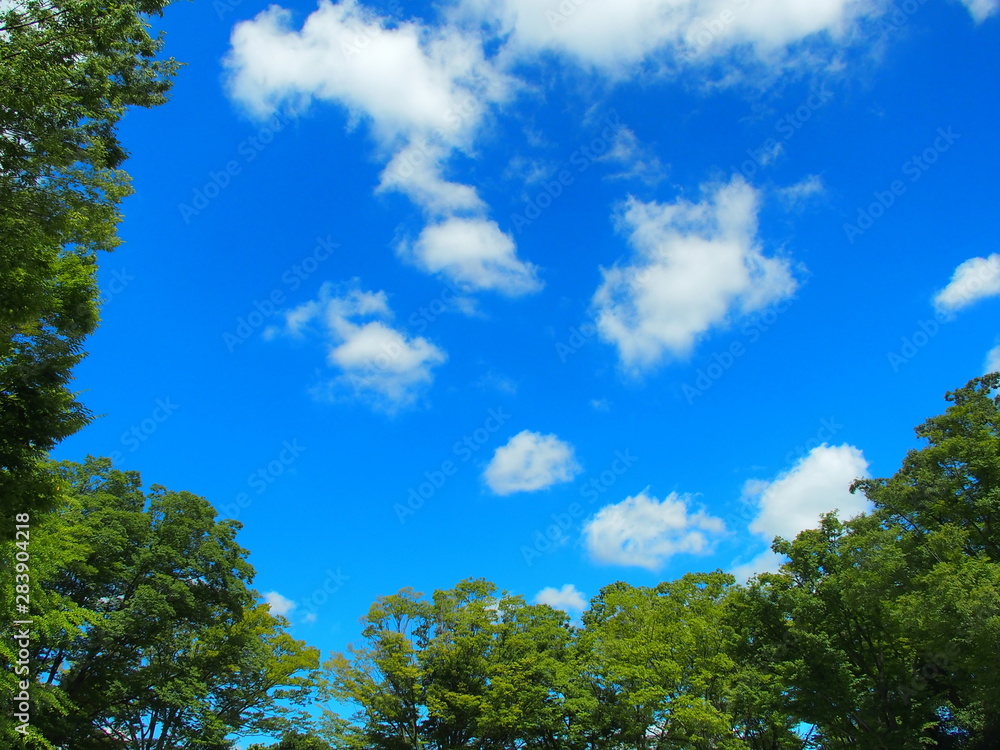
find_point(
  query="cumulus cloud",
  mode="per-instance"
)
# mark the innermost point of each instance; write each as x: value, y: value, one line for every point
x: 407, y: 79
x: 973, y: 280
x: 794, y: 501
x: 416, y: 171
x: 645, y: 532
x: 425, y: 92
x: 376, y: 362
x: 530, y: 461
x: 568, y: 598
x: 474, y: 252
x: 613, y: 35
x: 694, y: 266
x: 278, y: 604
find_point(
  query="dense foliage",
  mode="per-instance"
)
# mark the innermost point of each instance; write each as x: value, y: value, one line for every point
x: 68, y: 71
x: 146, y: 633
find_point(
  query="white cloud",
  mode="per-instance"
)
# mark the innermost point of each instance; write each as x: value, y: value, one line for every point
x: 646, y: 532
x: 278, y: 604
x: 613, y: 35
x: 973, y: 280
x: 694, y: 266
x: 767, y: 561
x: 425, y: 91
x: 802, y: 191
x: 568, y: 598
x: 377, y: 362
x: 475, y: 253
x: 982, y: 9
x: 416, y: 171
x: 530, y: 461
x: 992, y: 360
x: 794, y: 501
x: 407, y: 79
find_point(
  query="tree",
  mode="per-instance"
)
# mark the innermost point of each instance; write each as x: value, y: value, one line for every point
x: 146, y: 631
x: 883, y: 630
x: 943, y: 510
x: 471, y: 668
x: 661, y: 665
x: 68, y: 71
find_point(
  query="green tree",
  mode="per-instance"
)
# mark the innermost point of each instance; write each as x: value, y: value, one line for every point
x: 661, y: 664
x: 146, y: 631
x: 470, y: 668
x: 68, y: 71
x: 943, y: 510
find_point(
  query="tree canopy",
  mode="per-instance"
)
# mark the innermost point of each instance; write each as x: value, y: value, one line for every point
x: 146, y: 630
x: 69, y: 69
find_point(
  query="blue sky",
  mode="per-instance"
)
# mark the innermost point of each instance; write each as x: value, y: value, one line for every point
x: 556, y: 295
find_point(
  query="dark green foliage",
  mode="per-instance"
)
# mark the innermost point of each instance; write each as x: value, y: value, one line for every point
x: 145, y: 627
x: 68, y: 71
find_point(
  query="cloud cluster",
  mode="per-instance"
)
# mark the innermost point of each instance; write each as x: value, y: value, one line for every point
x: 530, y: 461
x: 973, y: 280
x: 376, y: 362
x: 424, y: 90
x: 646, y: 532
x: 794, y: 501
x: 694, y: 266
